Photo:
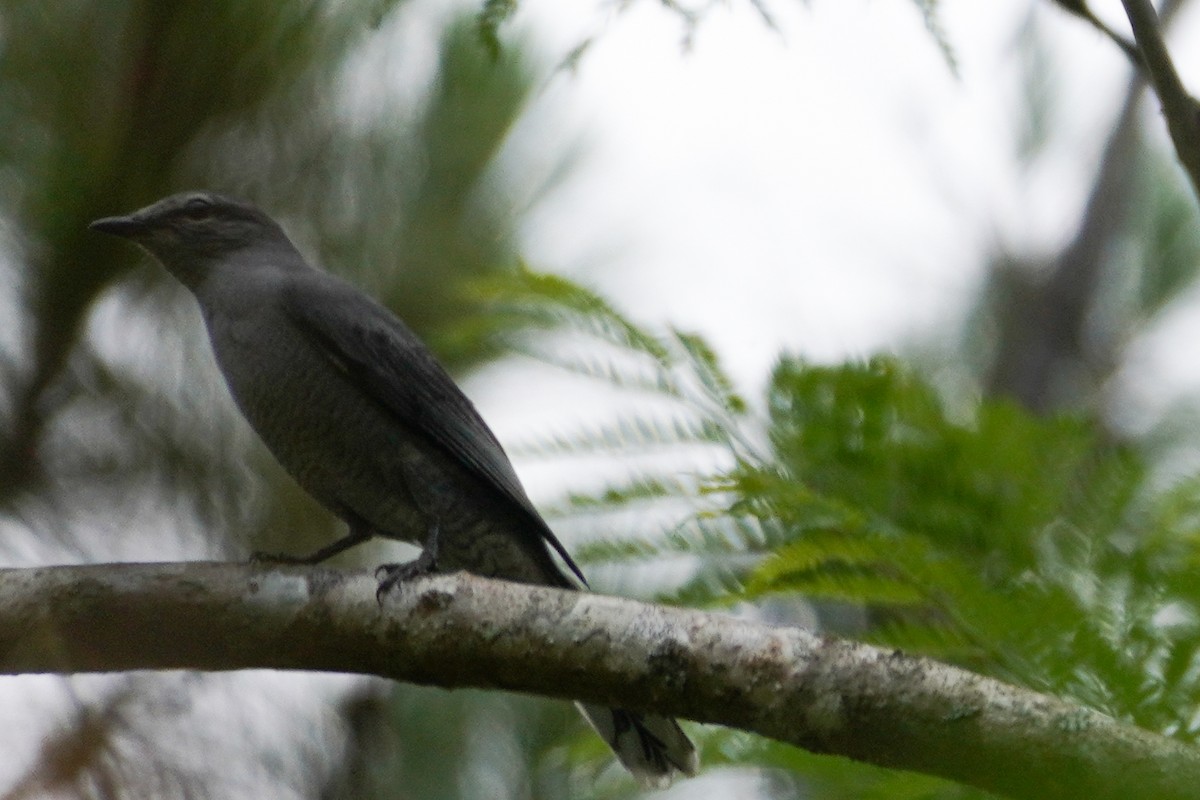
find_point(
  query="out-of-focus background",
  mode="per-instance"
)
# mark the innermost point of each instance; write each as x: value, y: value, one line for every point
x: 979, y: 191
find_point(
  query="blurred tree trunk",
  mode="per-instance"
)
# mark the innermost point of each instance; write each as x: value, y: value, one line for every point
x: 1051, y: 354
x: 1056, y: 341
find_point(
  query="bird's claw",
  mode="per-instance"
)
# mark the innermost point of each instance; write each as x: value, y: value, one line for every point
x: 392, y: 575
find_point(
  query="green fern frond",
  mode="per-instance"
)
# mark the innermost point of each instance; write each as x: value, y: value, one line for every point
x: 709, y: 533
x: 705, y: 535
x: 919, y: 636
x: 714, y: 583
x: 605, y: 370
x: 491, y: 16
x: 703, y: 363
x: 821, y: 550
x: 625, y: 434
x: 851, y: 586
x: 554, y: 301
x: 638, y: 489
x: 599, y: 550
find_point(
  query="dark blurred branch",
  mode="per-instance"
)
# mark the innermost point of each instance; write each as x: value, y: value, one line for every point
x: 823, y: 694
x: 1179, y: 107
x: 1081, y: 9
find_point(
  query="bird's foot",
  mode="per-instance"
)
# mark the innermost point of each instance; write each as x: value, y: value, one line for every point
x: 359, y: 532
x: 391, y: 575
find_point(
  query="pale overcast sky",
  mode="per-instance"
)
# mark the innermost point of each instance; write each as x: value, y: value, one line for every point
x: 832, y: 187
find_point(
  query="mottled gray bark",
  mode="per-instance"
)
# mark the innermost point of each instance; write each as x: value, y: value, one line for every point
x: 819, y: 693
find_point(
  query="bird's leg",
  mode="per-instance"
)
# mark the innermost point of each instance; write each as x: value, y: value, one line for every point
x: 360, y: 531
x: 389, y: 575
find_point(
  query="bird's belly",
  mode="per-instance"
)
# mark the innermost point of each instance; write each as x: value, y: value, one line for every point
x: 342, y: 447
x: 360, y: 461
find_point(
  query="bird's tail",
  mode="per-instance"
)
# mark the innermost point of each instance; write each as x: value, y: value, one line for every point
x: 653, y: 748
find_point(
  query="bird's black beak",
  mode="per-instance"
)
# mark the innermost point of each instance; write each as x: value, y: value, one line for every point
x: 128, y: 227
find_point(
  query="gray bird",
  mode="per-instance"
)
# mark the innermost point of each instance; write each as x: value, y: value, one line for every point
x: 366, y: 420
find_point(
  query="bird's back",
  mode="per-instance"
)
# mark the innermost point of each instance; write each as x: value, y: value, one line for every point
x: 351, y: 450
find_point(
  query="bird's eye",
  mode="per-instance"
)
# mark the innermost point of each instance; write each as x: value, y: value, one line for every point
x: 197, y: 208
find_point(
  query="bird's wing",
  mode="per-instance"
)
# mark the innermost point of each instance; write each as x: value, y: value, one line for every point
x: 393, y: 366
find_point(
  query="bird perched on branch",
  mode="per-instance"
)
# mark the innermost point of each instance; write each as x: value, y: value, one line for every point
x: 366, y: 420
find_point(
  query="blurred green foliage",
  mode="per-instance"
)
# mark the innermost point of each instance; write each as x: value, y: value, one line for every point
x: 1032, y: 549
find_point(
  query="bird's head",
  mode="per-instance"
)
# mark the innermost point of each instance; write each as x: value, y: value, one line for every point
x: 191, y: 231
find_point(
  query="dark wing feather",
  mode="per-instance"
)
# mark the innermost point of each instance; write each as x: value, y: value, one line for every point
x: 395, y: 368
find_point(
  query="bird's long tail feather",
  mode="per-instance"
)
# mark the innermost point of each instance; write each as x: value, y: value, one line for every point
x: 651, y: 747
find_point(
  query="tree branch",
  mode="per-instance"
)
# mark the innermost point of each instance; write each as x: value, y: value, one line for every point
x: 1080, y: 9
x: 822, y: 694
x: 1180, y: 108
